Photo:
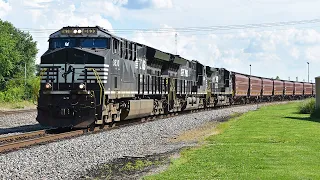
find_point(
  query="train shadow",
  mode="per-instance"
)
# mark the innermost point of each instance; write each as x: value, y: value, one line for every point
x: 312, y: 119
x: 21, y: 129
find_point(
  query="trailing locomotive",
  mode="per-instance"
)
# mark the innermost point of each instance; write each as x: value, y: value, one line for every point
x: 91, y: 77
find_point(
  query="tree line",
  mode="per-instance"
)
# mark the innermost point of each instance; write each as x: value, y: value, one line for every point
x: 18, y: 51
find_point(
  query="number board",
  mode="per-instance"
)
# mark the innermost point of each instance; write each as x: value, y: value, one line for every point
x: 77, y: 31
x: 90, y: 31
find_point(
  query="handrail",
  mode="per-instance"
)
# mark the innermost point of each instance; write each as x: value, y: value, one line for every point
x: 99, y: 82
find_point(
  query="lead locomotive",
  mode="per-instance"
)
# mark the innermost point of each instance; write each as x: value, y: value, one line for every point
x: 91, y: 77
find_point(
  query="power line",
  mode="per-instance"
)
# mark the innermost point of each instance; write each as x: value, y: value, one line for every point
x: 161, y: 35
x: 204, y: 28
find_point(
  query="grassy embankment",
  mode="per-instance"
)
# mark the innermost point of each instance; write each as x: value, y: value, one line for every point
x: 16, y: 105
x: 275, y: 142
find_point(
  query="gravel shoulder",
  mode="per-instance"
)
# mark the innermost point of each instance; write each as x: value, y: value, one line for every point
x: 73, y: 158
x: 18, y: 123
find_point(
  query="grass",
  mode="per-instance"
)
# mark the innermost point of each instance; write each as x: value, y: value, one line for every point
x: 137, y: 165
x: 16, y: 105
x: 275, y: 142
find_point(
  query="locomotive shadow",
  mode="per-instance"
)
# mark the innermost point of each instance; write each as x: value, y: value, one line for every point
x: 21, y: 129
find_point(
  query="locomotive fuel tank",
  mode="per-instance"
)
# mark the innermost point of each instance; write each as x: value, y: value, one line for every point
x: 137, y: 109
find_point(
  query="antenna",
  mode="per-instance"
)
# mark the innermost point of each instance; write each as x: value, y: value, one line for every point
x: 176, y: 40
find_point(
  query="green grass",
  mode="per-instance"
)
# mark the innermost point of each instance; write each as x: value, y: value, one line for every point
x: 275, y: 142
x: 16, y: 105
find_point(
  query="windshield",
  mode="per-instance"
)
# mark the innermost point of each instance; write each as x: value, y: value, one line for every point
x: 79, y: 42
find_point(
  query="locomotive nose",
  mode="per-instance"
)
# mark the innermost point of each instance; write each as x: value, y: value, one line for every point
x: 74, y: 56
x: 72, y: 74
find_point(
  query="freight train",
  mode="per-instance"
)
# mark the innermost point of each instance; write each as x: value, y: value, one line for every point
x: 91, y: 77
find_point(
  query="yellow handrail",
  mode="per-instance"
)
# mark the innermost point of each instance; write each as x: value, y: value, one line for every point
x: 99, y: 82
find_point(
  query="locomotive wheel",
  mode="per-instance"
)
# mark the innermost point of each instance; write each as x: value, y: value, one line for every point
x: 112, y: 124
x: 102, y: 126
x: 91, y: 127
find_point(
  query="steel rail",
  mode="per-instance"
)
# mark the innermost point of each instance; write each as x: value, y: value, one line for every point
x: 7, y: 139
x: 48, y: 137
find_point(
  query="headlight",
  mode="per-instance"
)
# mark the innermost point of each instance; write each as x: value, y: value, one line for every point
x: 82, y: 86
x: 48, y: 86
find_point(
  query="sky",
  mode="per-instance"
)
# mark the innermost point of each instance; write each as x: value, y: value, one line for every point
x: 272, y: 51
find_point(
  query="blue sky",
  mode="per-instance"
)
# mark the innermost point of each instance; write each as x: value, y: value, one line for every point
x: 282, y: 51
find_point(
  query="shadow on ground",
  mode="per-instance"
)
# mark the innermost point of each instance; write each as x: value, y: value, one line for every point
x: 21, y: 129
x: 305, y: 119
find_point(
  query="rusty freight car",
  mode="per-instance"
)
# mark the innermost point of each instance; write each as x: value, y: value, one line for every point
x: 278, y: 87
x: 267, y: 89
x: 298, y: 90
x: 288, y: 89
x: 307, y: 89
x: 240, y: 87
x: 255, y: 88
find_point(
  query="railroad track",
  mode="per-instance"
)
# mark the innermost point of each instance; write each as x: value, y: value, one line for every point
x: 16, y: 142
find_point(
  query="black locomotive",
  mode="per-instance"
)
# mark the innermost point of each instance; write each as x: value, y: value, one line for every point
x: 91, y: 77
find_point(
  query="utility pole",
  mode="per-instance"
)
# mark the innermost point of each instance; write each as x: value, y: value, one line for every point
x: 176, y: 40
x: 25, y: 74
x: 308, y: 71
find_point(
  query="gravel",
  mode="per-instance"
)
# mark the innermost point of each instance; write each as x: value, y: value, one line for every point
x: 18, y: 123
x: 69, y: 159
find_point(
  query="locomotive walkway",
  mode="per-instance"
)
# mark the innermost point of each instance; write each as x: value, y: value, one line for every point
x: 274, y: 142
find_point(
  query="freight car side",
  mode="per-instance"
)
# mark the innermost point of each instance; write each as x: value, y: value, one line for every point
x: 278, y: 87
x: 288, y: 89
x: 307, y: 89
x: 267, y: 89
x: 255, y: 88
x: 298, y: 90
x: 240, y: 87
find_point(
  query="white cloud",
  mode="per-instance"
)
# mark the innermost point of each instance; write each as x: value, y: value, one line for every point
x: 295, y: 53
x: 162, y: 3
x: 4, y: 8
x: 156, y: 4
x: 271, y: 52
x: 49, y: 16
x: 109, y: 8
x: 313, y: 54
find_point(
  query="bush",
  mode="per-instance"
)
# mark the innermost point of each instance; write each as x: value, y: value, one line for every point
x: 308, y: 106
x: 12, y: 95
x: 16, y: 90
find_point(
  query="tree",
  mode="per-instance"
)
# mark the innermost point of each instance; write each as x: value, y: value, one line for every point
x: 17, y: 48
x: 277, y: 78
